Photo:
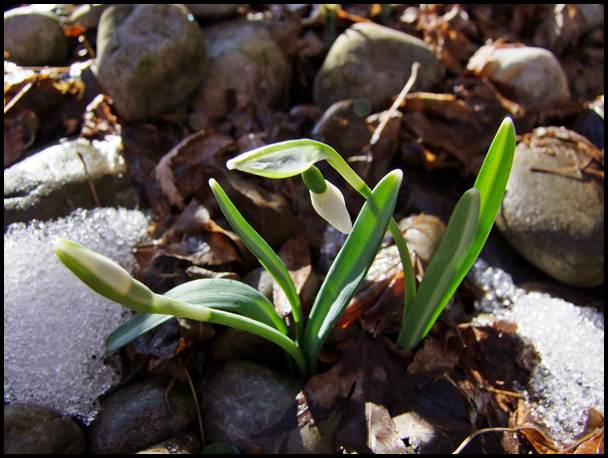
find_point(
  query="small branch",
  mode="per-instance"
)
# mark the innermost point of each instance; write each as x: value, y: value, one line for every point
x: 482, y: 431
x: 398, y: 101
x: 18, y: 96
x: 91, y: 186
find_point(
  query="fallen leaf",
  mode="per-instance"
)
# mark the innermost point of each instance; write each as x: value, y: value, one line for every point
x: 295, y: 253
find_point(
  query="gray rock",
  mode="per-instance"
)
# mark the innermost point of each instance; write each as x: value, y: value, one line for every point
x: 53, y: 182
x: 593, y: 15
x: 553, y: 216
x: 372, y: 61
x: 35, y: 429
x: 533, y: 76
x: 234, y: 343
x: 150, y: 57
x: 88, y: 15
x: 253, y: 407
x: 137, y: 416
x: 246, y: 66
x: 34, y: 37
x: 344, y: 126
x: 212, y: 11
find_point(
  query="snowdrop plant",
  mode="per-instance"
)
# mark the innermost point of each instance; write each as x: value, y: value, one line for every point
x: 235, y: 304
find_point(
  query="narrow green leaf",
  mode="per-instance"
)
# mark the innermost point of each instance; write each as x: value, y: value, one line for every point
x: 138, y: 325
x: 218, y: 293
x: 351, y: 264
x: 491, y: 182
x: 174, y: 307
x: 261, y: 250
x: 280, y: 160
x: 443, y: 267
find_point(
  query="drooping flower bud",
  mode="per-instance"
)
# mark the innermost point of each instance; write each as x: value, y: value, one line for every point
x: 330, y: 206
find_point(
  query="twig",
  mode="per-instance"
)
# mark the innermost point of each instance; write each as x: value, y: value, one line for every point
x: 91, y: 186
x: 18, y: 96
x: 398, y: 101
x: 83, y: 40
x: 198, y: 409
x: 482, y: 431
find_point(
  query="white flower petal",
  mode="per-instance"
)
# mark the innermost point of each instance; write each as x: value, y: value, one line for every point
x: 330, y: 206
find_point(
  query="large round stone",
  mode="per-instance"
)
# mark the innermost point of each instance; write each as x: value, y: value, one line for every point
x: 34, y: 429
x: 34, y: 37
x: 150, y: 57
x: 553, y: 212
x: 57, y: 180
x: 255, y: 408
x: 532, y: 76
x: 372, y: 61
x: 138, y: 416
x: 246, y: 68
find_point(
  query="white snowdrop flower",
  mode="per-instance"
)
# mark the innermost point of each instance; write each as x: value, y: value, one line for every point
x: 330, y: 205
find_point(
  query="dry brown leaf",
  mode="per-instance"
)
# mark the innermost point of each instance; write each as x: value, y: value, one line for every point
x: 295, y: 253
x: 435, y: 357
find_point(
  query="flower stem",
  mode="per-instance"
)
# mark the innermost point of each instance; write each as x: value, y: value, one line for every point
x: 351, y: 177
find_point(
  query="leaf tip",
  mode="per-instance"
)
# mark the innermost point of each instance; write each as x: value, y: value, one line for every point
x: 231, y: 164
x: 507, y: 124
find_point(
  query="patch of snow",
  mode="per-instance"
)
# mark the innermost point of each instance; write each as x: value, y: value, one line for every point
x: 569, y: 340
x: 54, y: 325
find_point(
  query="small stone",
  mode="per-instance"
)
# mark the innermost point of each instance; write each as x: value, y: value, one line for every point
x: 34, y: 37
x: 248, y: 68
x: 532, y: 76
x: 422, y: 233
x: 372, y: 61
x: 53, y: 182
x: 137, y: 416
x: 35, y: 429
x: 593, y: 14
x: 552, y: 212
x: 150, y: 57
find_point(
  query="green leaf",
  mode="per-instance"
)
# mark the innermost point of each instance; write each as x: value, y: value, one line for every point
x: 280, y: 160
x: 261, y: 250
x: 438, y: 277
x: 351, y: 264
x: 217, y: 293
x: 491, y: 182
x: 138, y: 325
